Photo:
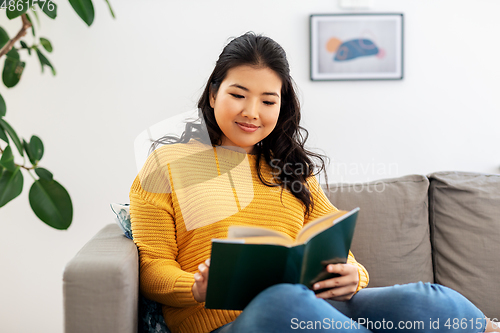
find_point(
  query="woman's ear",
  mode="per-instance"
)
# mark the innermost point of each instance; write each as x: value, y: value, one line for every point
x: 212, y: 100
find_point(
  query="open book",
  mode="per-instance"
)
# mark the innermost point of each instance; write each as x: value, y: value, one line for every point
x: 252, y: 259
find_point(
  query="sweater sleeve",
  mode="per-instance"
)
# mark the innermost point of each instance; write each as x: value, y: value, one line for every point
x: 153, y: 229
x: 323, y: 206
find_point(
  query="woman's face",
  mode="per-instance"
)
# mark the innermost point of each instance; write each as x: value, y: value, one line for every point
x: 247, y: 105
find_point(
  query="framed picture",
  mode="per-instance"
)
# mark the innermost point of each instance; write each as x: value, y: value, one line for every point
x: 356, y: 47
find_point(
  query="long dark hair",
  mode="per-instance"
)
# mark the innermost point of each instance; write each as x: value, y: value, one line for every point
x: 283, y: 149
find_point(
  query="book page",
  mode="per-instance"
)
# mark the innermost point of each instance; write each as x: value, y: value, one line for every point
x: 238, y: 231
x: 269, y: 240
x: 256, y: 235
x: 315, y: 227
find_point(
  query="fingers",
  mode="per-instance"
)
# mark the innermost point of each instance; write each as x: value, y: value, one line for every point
x: 338, y: 282
x: 348, y: 275
x: 340, y: 288
x: 203, y: 273
x: 342, y: 269
x: 198, y: 277
x: 200, y: 282
x: 338, y: 294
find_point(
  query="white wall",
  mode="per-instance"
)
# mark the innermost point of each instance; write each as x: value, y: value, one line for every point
x: 120, y: 76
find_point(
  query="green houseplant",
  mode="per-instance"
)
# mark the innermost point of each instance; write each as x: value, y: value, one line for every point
x: 48, y: 199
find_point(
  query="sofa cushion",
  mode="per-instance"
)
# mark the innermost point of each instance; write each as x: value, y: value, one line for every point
x: 392, y: 234
x: 465, y: 229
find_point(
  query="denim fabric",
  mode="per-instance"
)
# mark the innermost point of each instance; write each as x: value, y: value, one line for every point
x: 415, y: 307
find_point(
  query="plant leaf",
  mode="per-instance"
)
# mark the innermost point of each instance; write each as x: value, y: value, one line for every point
x: 11, y: 185
x: 46, y: 44
x: 12, y: 71
x: 7, y: 159
x: 19, y: 8
x: 36, y: 148
x: 44, y: 174
x: 28, y: 152
x: 36, y: 14
x: 84, y: 9
x: 32, y: 25
x: 3, y: 136
x: 49, y: 8
x: 111, y: 9
x: 51, y: 203
x: 25, y: 46
x: 3, y: 107
x: 12, y: 134
x: 14, y: 54
x: 44, y: 61
x: 4, y: 37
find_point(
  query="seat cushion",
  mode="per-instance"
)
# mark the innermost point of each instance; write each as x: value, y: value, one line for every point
x: 392, y: 234
x: 465, y: 229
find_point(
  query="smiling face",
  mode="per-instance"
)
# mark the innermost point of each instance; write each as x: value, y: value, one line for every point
x: 247, y: 105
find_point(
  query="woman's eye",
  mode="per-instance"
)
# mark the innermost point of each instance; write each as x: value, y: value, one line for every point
x: 236, y: 96
x: 269, y: 103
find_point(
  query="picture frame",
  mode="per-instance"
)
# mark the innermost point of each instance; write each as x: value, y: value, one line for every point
x: 356, y: 46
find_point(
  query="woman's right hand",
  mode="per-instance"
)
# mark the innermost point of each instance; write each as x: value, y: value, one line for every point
x: 201, y: 282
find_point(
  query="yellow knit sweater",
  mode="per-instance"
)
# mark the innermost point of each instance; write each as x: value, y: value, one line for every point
x: 187, y: 194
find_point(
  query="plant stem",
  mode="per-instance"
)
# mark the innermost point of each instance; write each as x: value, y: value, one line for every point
x: 21, y: 166
x: 26, y: 168
x: 20, y: 34
x: 32, y: 176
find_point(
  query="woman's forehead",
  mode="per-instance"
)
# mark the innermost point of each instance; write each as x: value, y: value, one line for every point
x: 253, y: 79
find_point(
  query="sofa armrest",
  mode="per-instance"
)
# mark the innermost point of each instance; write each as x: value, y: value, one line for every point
x: 101, y: 285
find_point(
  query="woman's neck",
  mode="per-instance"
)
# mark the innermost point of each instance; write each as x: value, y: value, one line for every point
x: 240, y: 150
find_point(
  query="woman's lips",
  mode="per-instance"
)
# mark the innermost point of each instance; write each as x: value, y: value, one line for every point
x: 247, y: 128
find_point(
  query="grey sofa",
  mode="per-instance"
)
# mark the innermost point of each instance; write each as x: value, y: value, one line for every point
x: 442, y: 228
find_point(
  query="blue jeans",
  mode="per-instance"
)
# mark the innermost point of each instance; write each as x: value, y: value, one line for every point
x: 415, y: 307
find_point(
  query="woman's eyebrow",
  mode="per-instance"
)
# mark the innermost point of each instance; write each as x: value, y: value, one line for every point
x: 246, y: 89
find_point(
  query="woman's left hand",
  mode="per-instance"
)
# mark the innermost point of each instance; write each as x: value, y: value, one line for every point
x: 340, y: 288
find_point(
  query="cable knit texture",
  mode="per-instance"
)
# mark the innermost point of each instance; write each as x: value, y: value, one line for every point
x: 170, y: 252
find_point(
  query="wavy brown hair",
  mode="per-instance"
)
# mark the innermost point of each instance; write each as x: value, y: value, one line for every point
x: 283, y: 149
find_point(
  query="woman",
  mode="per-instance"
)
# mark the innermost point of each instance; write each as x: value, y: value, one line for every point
x: 190, y: 192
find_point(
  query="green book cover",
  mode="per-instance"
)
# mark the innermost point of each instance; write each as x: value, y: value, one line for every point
x: 252, y: 259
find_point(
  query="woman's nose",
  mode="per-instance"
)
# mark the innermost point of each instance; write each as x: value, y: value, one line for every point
x: 251, y: 109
